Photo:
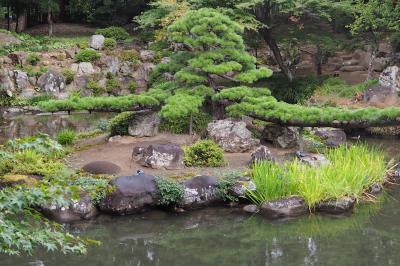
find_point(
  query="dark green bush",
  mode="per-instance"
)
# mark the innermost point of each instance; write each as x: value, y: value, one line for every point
x: 33, y: 59
x: 87, y: 55
x: 95, y: 87
x: 110, y: 43
x: 296, y: 91
x: 204, y: 153
x: 120, y: 123
x: 395, y: 41
x: 69, y: 76
x: 130, y: 56
x: 112, y: 84
x: 170, y: 191
x: 117, y: 33
x: 66, y: 137
x: 181, y: 126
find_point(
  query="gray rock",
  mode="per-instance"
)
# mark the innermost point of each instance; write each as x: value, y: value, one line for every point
x: 262, y: 153
x: 330, y: 137
x: 144, y: 124
x: 147, y: 56
x: 375, y: 189
x: 7, y: 82
x: 251, y: 208
x: 142, y: 76
x: 283, y: 208
x: 284, y: 137
x: 96, y: 42
x: 82, y: 209
x: 200, y: 191
x: 337, y: 206
x: 110, y: 63
x: 126, y: 69
x: 133, y: 194
x: 241, y: 187
x: 232, y: 136
x: 390, y: 77
x: 162, y: 156
x: 378, y: 94
x: 21, y: 79
x: 52, y: 82
x: 312, y: 159
x: 84, y: 68
x: 101, y: 168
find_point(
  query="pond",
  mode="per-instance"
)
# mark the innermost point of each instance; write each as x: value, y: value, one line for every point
x: 26, y: 125
x: 225, y: 236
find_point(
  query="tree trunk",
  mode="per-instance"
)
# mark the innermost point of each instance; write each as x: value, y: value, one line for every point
x: 318, y: 61
x: 8, y: 18
x: 371, y: 62
x: 191, y: 124
x: 50, y: 22
x: 267, y: 36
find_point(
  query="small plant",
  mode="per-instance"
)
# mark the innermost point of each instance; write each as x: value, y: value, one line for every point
x: 120, y: 123
x: 95, y: 87
x: 87, y: 55
x: 69, y: 76
x: 110, y: 43
x: 129, y: 56
x: 66, y: 137
x: 117, y: 33
x: 98, y: 188
x: 112, y: 85
x: 395, y: 41
x: 102, y: 124
x: 33, y: 59
x: 224, y: 186
x: 171, y: 192
x: 204, y: 153
x: 132, y: 86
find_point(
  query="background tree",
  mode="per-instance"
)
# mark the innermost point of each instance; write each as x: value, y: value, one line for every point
x: 50, y: 7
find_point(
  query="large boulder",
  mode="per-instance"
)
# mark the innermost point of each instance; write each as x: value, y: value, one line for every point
x: 284, y: 137
x: 132, y: 194
x: 162, y: 156
x: 82, y: 209
x: 379, y: 95
x: 21, y: 79
x: 284, y: 208
x: 84, y: 68
x: 232, y: 136
x: 142, y: 76
x: 144, y: 124
x: 260, y: 154
x: 52, y: 82
x: 330, y: 137
x: 101, y: 168
x: 200, y: 191
x: 336, y: 206
x: 147, y: 56
x: 390, y: 77
x: 110, y: 64
x: 96, y: 42
x: 7, y: 82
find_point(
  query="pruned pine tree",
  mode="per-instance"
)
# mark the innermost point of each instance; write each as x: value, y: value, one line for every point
x: 209, y: 55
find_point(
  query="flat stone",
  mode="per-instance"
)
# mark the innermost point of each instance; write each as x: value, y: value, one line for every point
x: 337, y: 206
x: 101, y: 168
x: 284, y: 208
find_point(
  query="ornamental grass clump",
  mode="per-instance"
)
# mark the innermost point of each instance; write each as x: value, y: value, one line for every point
x: 351, y: 172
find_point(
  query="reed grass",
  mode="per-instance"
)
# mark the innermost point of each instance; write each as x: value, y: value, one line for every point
x: 351, y: 172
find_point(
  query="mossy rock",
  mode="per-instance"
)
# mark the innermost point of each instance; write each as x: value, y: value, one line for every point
x: 101, y: 168
x: 13, y: 180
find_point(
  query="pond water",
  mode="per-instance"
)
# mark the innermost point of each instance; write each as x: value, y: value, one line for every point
x: 227, y: 236
x: 26, y: 125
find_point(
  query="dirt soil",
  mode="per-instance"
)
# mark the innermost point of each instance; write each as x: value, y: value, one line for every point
x: 119, y: 152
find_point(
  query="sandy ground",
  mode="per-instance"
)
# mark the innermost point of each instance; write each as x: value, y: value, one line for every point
x: 119, y: 152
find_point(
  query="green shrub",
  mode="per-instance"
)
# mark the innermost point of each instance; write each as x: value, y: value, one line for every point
x: 181, y: 126
x: 225, y: 184
x: 69, y: 76
x: 95, y: 87
x: 41, y: 143
x: 66, y: 137
x: 87, y: 55
x: 102, y: 124
x: 338, y: 87
x: 171, y: 192
x: 130, y: 56
x: 132, y: 86
x: 117, y: 33
x: 110, y: 43
x: 112, y: 85
x: 120, y: 123
x: 33, y: 59
x: 296, y: 91
x: 204, y: 153
x: 395, y: 41
x: 98, y: 188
